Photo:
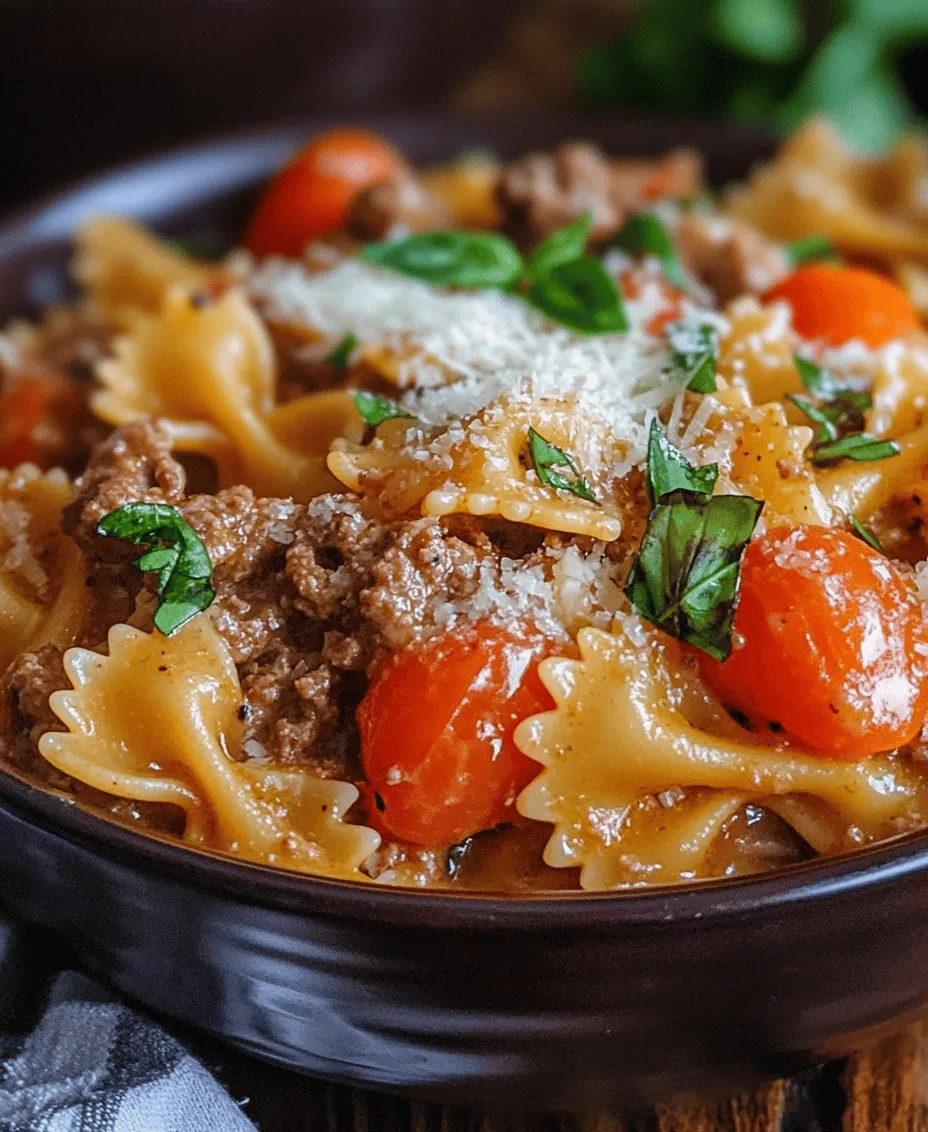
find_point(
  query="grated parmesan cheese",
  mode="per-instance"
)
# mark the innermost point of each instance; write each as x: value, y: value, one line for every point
x: 459, y: 351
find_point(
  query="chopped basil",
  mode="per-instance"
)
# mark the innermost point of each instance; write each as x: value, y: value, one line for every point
x: 645, y: 234
x: 175, y: 554
x: 694, y: 350
x: 815, y: 378
x: 685, y: 576
x: 563, y: 246
x: 340, y: 356
x: 546, y: 457
x: 864, y: 533
x: 808, y: 249
x: 581, y: 295
x: 669, y: 470
x: 857, y: 446
x: 838, y: 417
x: 374, y: 409
x: 453, y: 259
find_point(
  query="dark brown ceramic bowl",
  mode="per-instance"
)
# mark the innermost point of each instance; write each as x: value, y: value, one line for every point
x: 557, y: 1002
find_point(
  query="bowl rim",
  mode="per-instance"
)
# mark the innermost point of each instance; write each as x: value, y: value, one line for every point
x: 262, y: 885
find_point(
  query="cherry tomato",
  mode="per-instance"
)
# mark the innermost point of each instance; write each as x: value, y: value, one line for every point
x: 839, y: 304
x: 313, y: 193
x: 22, y: 412
x: 436, y: 733
x: 826, y: 640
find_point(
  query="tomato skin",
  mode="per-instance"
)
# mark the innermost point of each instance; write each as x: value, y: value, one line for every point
x: 22, y: 410
x: 825, y: 636
x: 312, y: 195
x: 436, y: 733
x: 839, y: 304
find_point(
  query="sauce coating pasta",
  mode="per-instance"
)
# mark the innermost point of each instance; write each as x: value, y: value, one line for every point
x: 461, y: 535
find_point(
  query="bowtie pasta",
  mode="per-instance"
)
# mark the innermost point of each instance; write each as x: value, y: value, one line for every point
x: 563, y: 528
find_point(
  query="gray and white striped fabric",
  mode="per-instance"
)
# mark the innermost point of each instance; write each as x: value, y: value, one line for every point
x: 90, y: 1064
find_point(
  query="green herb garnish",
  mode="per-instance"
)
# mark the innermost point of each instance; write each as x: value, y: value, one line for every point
x: 858, y: 446
x: 864, y: 533
x: 546, y: 457
x: 563, y: 246
x: 839, y: 420
x: 694, y: 350
x: 815, y: 378
x: 810, y: 249
x: 339, y: 357
x: 669, y: 470
x: 581, y: 295
x: 685, y: 576
x: 374, y: 409
x: 645, y: 234
x: 176, y: 555
x: 476, y: 260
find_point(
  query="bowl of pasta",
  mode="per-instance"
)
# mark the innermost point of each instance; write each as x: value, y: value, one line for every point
x: 463, y: 598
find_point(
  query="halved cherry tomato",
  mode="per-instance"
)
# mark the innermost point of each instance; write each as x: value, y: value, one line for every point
x: 313, y: 193
x: 827, y: 634
x: 22, y: 412
x: 839, y: 304
x: 436, y: 733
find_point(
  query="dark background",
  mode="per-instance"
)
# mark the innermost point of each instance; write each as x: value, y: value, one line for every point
x: 85, y: 83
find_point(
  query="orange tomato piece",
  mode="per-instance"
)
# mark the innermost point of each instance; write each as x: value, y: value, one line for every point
x: 633, y: 283
x: 436, y: 733
x: 23, y: 411
x: 827, y: 634
x: 312, y: 195
x: 839, y: 304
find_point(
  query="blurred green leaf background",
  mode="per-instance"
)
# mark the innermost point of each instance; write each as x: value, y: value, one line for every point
x: 769, y: 61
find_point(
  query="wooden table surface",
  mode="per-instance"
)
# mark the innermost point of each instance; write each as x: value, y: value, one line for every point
x: 881, y: 1089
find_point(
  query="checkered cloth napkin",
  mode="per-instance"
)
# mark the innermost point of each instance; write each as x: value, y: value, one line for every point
x: 84, y: 1062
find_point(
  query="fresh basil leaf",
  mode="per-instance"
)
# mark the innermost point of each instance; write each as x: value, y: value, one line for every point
x: 340, y: 356
x: 581, y: 295
x: 374, y: 409
x: 452, y: 259
x: 669, y: 470
x: 826, y: 428
x: 176, y: 555
x: 809, y: 250
x: 563, y: 246
x: 858, y: 446
x: 864, y: 533
x: 695, y: 352
x: 645, y: 234
x: 685, y: 576
x: 815, y: 378
x: 546, y: 457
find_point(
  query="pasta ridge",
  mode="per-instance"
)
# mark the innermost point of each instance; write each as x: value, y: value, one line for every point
x: 617, y: 738
x: 156, y: 720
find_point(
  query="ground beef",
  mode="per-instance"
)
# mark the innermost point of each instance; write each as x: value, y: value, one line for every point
x: 134, y: 464
x: 397, y: 208
x: 542, y: 192
x: 729, y: 255
x: 422, y: 570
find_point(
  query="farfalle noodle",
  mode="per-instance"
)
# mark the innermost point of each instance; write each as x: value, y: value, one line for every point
x: 617, y: 736
x: 225, y: 405
x: 156, y: 720
x: 123, y: 268
x: 42, y: 593
x: 482, y: 467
